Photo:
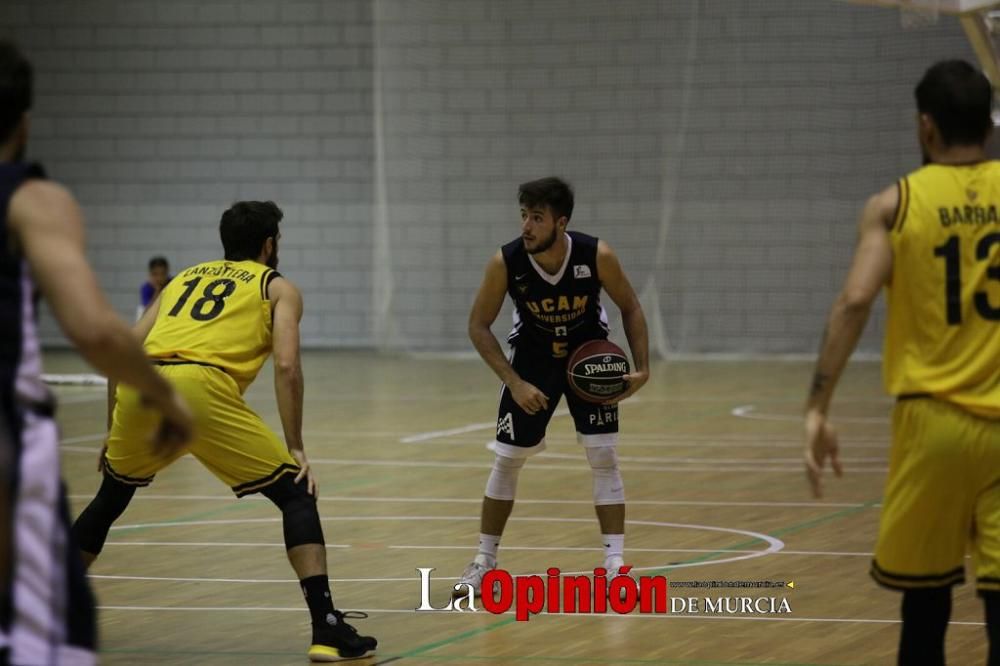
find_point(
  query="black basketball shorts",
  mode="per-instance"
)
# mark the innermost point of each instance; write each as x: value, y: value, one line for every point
x: 520, y: 434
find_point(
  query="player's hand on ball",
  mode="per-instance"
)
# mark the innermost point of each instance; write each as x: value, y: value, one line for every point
x: 633, y: 382
x: 528, y: 397
x: 821, y: 443
x: 305, y: 472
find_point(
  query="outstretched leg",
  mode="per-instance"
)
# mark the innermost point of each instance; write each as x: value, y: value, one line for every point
x: 333, y: 638
x: 90, y: 530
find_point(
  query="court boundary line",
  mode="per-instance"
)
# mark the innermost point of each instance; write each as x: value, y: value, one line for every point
x: 279, y: 609
x: 478, y: 500
x: 789, y: 469
x: 774, y: 544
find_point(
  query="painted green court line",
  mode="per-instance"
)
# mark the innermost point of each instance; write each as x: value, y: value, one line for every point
x: 464, y: 658
x: 808, y: 524
x: 420, y: 650
x: 427, y: 647
x: 791, y: 529
x: 605, y: 660
x: 200, y: 515
x: 236, y: 504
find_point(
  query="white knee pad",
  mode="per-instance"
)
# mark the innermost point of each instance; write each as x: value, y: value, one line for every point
x: 608, y: 485
x: 502, y: 483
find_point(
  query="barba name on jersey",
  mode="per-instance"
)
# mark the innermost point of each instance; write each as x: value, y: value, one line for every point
x: 968, y: 215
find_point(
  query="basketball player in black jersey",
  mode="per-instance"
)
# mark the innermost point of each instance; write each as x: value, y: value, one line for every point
x: 46, y: 608
x: 554, y: 278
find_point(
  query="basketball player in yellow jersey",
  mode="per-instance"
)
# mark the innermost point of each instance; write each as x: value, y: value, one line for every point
x: 210, y: 331
x: 933, y: 240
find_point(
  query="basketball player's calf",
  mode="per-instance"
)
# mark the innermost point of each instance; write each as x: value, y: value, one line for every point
x: 925, y: 613
x: 597, y: 432
x: 333, y: 638
x: 91, y: 527
x: 609, y: 504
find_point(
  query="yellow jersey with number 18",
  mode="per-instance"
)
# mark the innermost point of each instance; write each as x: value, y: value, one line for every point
x: 943, y: 327
x: 216, y: 313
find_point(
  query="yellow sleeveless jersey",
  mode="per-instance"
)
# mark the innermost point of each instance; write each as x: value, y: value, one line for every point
x: 216, y: 313
x: 943, y: 329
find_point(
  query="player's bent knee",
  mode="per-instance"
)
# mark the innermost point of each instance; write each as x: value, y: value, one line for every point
x: 91, y: 528
x: 502, y: 484
x: 300, y: 517
x: 608, y: 485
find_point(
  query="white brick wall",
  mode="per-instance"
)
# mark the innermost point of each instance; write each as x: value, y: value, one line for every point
x: 799, y: 110
x: 160, y: 113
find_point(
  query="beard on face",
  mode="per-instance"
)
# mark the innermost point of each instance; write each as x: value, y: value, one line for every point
x: 272, y: 261
x: 544, y: 244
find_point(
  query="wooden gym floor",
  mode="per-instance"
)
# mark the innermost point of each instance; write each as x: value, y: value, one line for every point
x: 710, y: 452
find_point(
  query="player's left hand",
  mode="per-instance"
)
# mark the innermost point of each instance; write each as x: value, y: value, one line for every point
x: 634, y: 382
x: 821, y: 443
x: 305, y: 472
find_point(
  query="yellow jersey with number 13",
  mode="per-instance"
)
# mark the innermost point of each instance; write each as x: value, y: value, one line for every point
x: 943, y: 328
x: 216, y: 313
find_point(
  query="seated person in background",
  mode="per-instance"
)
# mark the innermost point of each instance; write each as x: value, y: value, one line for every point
x: 159, y: 276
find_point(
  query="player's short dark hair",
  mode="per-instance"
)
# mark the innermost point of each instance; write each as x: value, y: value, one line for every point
x: 245, y: 227
x: 552, y: 192
x: 960, y: 100
x: 15, y: 88
x: 159, y: 261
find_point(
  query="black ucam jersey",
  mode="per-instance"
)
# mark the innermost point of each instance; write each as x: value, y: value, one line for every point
x: 20, y: 355
x: 554, y: 314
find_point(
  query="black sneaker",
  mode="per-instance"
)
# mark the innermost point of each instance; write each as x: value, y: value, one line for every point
x: 339, y: 640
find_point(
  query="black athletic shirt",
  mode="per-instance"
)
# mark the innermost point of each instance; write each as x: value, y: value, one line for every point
x: 555, y: 313
x: 20, y: 359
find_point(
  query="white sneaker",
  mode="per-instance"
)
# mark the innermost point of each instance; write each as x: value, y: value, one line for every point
x: 611, y: 565
x: 473, y: 577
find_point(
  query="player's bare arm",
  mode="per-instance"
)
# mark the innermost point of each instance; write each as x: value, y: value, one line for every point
x: 484, y: 312
x: 869, y: 272
x: 49, y: 226
x: 289, y: 387
x: 618, y: 287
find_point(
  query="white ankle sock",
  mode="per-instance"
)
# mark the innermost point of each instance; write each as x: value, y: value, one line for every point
x: 489, y: 544
x: 614, y: 546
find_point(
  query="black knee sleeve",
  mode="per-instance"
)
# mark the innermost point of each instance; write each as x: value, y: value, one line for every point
x: 926, y: 612
x: 991, y: 600
x: 300, y: 518
x: 91, y: 528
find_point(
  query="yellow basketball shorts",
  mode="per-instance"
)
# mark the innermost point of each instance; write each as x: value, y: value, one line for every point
x: 230, y: 439
x: 942, y: 498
